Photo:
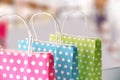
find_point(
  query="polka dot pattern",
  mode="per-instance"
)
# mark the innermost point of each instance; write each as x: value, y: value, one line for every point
x: 89, y: 56
x: 19, y: 67
x: 65, y: 61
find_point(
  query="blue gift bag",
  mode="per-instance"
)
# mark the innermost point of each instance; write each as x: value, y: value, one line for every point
x: 65, y: 58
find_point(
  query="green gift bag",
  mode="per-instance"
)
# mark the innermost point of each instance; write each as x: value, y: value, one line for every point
x: 89, y: 55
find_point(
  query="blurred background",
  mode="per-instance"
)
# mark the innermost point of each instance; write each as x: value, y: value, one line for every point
x: 103, y: 21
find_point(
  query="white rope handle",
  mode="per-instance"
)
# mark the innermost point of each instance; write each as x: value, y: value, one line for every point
x: 65, y: 19
x: 54, y: 20
x: 29, y: 33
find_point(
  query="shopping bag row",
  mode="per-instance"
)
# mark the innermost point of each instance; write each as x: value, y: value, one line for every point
x: 64, y: 57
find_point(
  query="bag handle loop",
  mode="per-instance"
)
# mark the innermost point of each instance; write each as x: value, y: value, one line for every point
x: 27, y: 28
x: 53, y: 19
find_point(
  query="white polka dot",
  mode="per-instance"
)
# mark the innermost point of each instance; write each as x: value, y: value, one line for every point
x: 76, y: 57
x: 37, y: 55
x: 44, y: 50
x: 8, y: 53
x: 11, y: 76
x: 42, y: 44
x: 68, y: 60
x: 87, y: 50
x: 4, y: 60
x: 18, y: 77
x: 73, y: 63
x: 44, y: 72
x: 50, y: 50
x: 39, y: 49
x: 83, y: 55
x: 44, y: 56
x: 69, y: 37
x: 15, y: 54
x: 14, y: 69
x: 64, y: 47
x: 63, y: 59
x: 53, y: 45
x: 89, y: 74
x: 60, y: 52
x: 56, y: 71
x: 47, y: 64
x: 65, y: 66
x: 62, y: 72
x: 1, y: 53
x: 69, y: 48
x: 82, y: 50
x: 24, y: 47
x: 40, y: 63
x: 71, y: 67
x: 74, y: 73
x: 36, y: 43
x: 18, y: 61
x: 90, y: 45
x: 40, y: 79
x: 11, y: 60
x: 33, y: 63
x: 68, y: 73
x: 84, y: 72
x: 57, y: 58
x: 82, y: 66
x: 87, y: 68
x: 92, y: 51
x: 59, y: 65
x: 22, y: 41
x: 24, y: 77
x: 80, y: 44
x: 91, y: 63
x: 48, y: 44
x: 51, y: 74
x: 25, y: 62
x: 4, y: 75
x: 21, y: 69
x: 22, y: 54
x: 58, y: 77
x: 55, y: 51
x: 19, y: 46
x: 1, y: 67
x: 50, y: 60
x: 36, y: 71
x: 64, y: 79
x: 32, y: 78
x: 66, y: 53
x: 88, y: 56
x: 7, y: 68
x: 28, y: 70
x: 33, y: 48
x: 76, y: 68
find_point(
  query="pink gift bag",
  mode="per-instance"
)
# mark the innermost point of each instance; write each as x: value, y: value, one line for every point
x: 3, y: 32
x: 19, y: 65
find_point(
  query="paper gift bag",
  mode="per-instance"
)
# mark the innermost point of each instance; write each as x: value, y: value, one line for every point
x: 19, y: 65
x: 65, y: 57
x: 89, y: 56
x: 89, y: 53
